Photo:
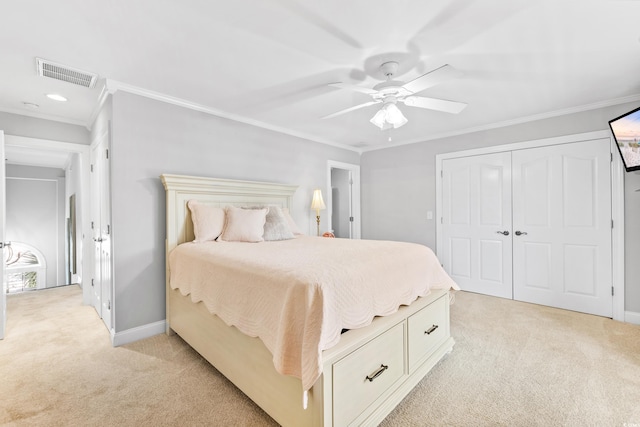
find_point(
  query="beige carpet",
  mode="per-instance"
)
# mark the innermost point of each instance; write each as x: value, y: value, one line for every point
x: 514, y: 364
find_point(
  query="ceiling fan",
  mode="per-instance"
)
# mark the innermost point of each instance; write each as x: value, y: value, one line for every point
x: 390, y: 92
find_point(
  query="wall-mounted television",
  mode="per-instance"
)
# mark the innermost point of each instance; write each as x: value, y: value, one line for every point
x: 626, y: 131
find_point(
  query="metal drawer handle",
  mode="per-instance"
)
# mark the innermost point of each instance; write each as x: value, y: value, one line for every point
x: 431, y: 329
x: 377, y: 373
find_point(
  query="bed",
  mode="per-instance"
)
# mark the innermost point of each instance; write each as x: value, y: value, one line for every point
x: 359, y: 375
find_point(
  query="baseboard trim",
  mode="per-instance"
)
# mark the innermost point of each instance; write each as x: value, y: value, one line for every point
x: 138, y: 333
x: 632, y: 317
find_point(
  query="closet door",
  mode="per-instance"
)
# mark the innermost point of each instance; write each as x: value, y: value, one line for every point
x: 562, y: 226
x: 476, y: 223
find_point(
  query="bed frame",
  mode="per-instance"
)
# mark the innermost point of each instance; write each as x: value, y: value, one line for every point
x: 336, y: 399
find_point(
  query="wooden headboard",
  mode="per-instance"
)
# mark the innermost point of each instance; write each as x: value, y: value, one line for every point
x: 217, y: 192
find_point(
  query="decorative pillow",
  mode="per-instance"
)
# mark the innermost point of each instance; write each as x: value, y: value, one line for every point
x: 276, y: 226
x: 208, y: 221
x: 292, y: 224
x: 244, y: 225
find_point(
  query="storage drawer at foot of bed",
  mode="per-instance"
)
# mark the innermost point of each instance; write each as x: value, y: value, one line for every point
x: 428, y: 328
x: 364, y: 375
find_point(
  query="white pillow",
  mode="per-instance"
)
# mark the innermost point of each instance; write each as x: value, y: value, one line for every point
x: 292, y: 224
x: 276, y: 226
x: 244, y: 225
x: 208, y: 221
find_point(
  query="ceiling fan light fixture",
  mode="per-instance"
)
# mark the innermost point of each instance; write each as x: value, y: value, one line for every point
x: 389, y: 117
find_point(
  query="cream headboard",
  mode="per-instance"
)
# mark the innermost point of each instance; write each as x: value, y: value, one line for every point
x: 218, y: 192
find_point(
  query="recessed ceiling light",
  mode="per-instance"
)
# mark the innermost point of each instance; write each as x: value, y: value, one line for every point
x: 31, y: 105
x: 56, y: 97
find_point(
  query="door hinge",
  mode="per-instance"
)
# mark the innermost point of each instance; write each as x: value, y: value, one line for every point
x: 109, y: 305
x: 611, y: 223
x: 441, y: 221
x: 92, y: 225
x: 612, y: 292
x: 108, y: 229
x: 351, y: 219
x: 441, y: 174
x: 91, y: 168
x: 107, y: 153
x: 611, y: 157
x: 92, y: 282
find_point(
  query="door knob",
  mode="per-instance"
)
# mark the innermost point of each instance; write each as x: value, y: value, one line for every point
x: 521, y: 233
x: 506, y: 233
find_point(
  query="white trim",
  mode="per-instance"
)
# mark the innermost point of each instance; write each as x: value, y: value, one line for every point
x: 355, y: 171
x: 520, y: 120
x: 114, y: 86
x: 138, y: 333
x: 617, y: 201
x: 632, y: 317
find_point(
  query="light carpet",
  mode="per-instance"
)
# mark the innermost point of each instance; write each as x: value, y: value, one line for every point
x: 514, y: 364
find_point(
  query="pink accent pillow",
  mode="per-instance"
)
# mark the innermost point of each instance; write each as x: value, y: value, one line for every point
x: 244, y: 225
x: 208, y: 221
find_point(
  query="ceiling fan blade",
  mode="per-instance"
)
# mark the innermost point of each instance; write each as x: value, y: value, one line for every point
x: 432, y: 78
x: 356, y: 107
x: 354, y: 88
x: 435, y: 104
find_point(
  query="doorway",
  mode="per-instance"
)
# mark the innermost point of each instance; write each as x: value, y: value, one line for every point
x: 343, y: 201
x: 72, y: 159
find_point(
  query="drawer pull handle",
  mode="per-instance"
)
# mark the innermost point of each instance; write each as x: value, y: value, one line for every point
x: 431, y: 329
x: 378, y: 372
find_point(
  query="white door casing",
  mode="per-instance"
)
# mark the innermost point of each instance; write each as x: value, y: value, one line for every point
x: 3, y: 204
x: 562, y: 201
x: 354, y: 193
x: 476, y: 223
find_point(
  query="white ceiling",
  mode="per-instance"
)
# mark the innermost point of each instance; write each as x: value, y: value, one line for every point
x: 270, y: 62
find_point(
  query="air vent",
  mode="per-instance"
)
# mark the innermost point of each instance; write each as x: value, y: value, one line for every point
x: 66, y: 74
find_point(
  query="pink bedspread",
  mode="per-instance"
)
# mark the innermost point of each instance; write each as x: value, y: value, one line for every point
x: 297, y: 295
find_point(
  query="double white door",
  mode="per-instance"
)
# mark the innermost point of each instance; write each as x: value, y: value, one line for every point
x: 533, y: 225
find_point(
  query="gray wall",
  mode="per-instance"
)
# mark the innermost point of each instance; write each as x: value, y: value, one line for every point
x: 35, y: 214
x: 398, y: 184
x: 150, y: 138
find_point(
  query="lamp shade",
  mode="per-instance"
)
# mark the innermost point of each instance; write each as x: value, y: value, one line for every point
x: 317, y: 203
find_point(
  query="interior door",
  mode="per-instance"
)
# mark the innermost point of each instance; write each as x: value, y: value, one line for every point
x: 100, y: 214
x: 3, y: 198
x: 476, y: 223
x: 562, y: 226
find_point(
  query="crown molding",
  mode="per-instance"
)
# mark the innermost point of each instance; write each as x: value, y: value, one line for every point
x: 520, y: 120
x: 112, y: 86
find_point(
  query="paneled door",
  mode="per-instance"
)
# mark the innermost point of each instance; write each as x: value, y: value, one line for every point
x: 100, y: 218
x: 476, y: 223
x: 557, y: 252
x: 562, y: 226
